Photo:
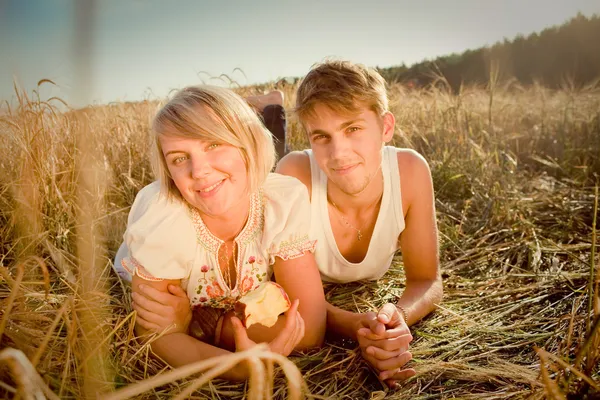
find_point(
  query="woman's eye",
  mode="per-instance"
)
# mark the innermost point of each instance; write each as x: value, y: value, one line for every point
x: 353, y: 129
x: 213, y: 146
x: 179, y: 160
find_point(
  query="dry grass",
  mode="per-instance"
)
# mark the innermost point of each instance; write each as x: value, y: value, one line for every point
x: 514, y: 175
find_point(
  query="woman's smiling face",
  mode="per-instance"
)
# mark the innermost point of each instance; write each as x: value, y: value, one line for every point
x: 210, y: 176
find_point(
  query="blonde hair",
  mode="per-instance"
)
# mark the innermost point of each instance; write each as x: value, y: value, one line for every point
x: 212, y: 113
x: 342, y: 86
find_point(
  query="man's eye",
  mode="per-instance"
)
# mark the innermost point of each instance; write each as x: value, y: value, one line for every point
x: 213, y: 146
x: 353, y: 129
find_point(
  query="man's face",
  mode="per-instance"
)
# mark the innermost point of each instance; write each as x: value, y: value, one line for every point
x: 347, y: 146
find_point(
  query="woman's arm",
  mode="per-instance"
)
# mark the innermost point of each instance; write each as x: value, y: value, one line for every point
x: 178, y: 348
x: 159, y: 309
x: 300, y: 278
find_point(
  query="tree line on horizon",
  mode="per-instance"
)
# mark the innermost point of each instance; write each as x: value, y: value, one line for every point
x: 559, y: 55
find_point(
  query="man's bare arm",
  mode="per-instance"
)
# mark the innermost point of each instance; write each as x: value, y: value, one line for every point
x: 419, y: 240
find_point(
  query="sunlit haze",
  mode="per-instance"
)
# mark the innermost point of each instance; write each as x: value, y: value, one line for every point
x: 145, y: 48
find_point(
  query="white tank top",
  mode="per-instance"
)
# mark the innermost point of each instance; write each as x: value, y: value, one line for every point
x: 384, y: 242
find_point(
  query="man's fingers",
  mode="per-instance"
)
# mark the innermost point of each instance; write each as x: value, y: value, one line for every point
x: 148, y: 315
x: 178, y: 291
x: 389, y: 315
x: 382, y: 354
x: 163, y: 298
x: 400, y: 330
x: 377, y: 328
x: 392, y: 344
x: 392, y: 364
x: 151, y: 293
x: 148, y: 304
x: 399, y: 374
x: 149, y: 326
x: 388, y: 334
x: 366, y: 333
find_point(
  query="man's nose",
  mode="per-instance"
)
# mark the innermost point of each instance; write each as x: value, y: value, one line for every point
x: 339, y: 147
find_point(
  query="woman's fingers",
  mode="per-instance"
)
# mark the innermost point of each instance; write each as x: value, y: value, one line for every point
x: 291, y: 322
x: 298, y: 332
x: 292, y: 332
x: 240, y: 335
x: 302, y: 329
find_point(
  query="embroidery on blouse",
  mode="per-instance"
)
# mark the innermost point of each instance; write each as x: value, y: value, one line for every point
x: 256, y: 219
x: 132, y: 266
x: 290, y: 249
x: 219, y: 294
x: 252, y: 228
x: 204, y: 269
x: 251, y: 265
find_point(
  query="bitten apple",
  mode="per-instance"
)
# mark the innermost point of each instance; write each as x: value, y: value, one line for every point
x: 263, y: 305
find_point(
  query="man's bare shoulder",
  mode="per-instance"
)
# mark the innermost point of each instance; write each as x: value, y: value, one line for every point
x: 410, y: 162
x: 296, y: 164
x: 415, y: 176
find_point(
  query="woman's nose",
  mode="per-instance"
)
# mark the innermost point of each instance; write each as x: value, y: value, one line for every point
x: 200, y: 167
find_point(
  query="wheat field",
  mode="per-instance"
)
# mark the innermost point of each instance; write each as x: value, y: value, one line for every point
x: 515, y: 171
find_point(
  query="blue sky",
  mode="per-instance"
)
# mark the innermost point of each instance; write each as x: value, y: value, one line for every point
x: 145, y: 48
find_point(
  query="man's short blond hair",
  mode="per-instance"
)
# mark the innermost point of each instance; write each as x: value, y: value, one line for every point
x: 343, y: 86
x: 213, y: 114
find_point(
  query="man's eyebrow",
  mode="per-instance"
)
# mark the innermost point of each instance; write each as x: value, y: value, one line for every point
x: 318, y: 132
x: 343, y: 125
x: 173, y: 152
x: 352, y: 121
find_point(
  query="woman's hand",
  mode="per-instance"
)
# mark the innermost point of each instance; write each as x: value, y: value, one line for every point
x: 283, y: 343
x: 157, y: 311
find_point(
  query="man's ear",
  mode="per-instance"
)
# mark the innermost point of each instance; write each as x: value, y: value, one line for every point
x: 389, y: 124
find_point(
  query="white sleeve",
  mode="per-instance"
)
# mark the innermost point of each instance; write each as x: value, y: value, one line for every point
x: 287, y: 218
x: 160, y: 237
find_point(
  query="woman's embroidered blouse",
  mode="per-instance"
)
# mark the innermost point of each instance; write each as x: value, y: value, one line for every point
x: 167, y: 239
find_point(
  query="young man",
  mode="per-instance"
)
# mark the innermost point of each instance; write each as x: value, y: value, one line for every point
x: 368, y: 200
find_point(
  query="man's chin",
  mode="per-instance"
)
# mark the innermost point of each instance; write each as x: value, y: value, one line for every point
x: 347, y: 188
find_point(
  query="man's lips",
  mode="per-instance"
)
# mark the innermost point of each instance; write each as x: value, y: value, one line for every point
x: 346, y: 169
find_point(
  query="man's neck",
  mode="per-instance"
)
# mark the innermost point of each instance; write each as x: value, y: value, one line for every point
x: 345, y: 202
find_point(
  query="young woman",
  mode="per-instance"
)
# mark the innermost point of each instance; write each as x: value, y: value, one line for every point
x: 218, y: 223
